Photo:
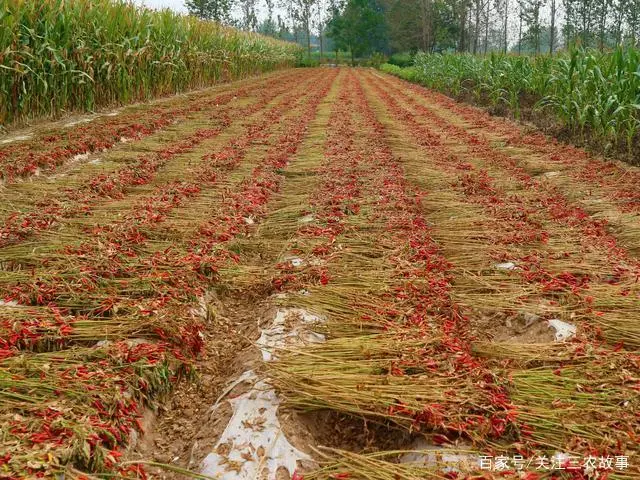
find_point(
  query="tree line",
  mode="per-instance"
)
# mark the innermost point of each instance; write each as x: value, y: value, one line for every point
x: 301, y: 21
x: 477, y: 26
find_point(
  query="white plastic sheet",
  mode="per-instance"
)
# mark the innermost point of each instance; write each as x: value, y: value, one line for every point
x: 253, y: 445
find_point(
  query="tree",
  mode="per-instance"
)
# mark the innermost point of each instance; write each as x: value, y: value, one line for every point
x: 427, y: 25
x: 321, y: 23
x: 585, y: 15
x: 333, y: 17
x: 360, y: 28
x: 478, y: 10
x: 301, y: 14
x: 633, y: 20
x: 618, y: 7
x: 505, y: 26
x: 489, y: 25
x: 268, y: 25
x: 601, y: 11
x: 249, y: 18
x: 305, y: 13
x: 528, y: 46
x: 552, y: 28
x: 217, y: 10
x: 569, y: 21
x: 405, y: 28
x: 461, y: 8
x: 282, y: 31
x: 531, y: 16
x: 520, y: 18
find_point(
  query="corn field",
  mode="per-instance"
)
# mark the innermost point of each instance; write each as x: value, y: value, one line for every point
x: 77, y: 55
x: 590, y: 93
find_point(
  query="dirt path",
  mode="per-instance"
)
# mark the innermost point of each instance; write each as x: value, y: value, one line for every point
x: 381, y: 270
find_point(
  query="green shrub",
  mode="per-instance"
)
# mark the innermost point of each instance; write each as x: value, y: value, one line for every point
x: 401, y: 59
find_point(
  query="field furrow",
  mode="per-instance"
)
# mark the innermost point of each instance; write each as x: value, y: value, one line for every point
x: 119, y: 293
x: 571, y: 259
x: 482, y: 228
x: 37, y: 208
x: 605, y: 189
x: 328, y: 271
x: 45, y: 149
